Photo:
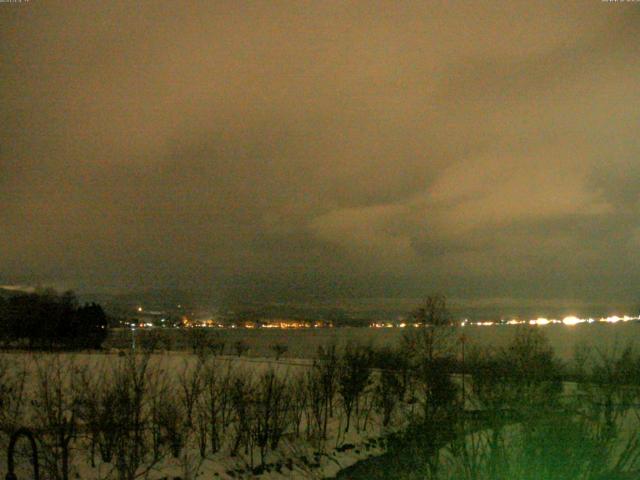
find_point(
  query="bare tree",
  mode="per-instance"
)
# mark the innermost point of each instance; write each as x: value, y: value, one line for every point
x: 241, y: 393
x: 94, y: 411
x: 132, y: 378
x: 13, y: 375
x: 190, y: 386
x: 353, y: 377
x: 271, y: 404
x: 326, y: 367
x: 172, y: 423
x: 157, y: 394
x: 432, y: 334
x: 299, y: 402
x: 315, y: 400
x: 388, y: 394
x: 56, y: 413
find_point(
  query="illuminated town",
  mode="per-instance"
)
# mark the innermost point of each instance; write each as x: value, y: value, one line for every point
x: 541, y: 321
x: 144, y: 318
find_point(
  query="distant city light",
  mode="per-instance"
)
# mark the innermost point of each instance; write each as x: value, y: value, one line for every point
x: 572, y: 320
x: 540, y: 321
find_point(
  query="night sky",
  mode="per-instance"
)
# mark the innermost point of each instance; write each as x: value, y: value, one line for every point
x: 480, y: 149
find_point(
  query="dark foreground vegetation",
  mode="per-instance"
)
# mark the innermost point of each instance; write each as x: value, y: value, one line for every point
x: 47, y: 320
x: 519, y: 413
x: 491, y: 414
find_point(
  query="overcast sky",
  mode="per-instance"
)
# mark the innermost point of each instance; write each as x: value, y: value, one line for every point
x: 481, y: 149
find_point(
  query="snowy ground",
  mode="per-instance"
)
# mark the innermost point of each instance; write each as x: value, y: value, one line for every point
x: 301, y: 456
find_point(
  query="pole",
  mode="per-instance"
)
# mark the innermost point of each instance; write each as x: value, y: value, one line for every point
x: 464, y: 395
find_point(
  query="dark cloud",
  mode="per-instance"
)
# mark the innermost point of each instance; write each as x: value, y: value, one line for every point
x: 482, y: 149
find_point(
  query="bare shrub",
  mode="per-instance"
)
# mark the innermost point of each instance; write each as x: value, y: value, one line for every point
x: 190, y: 387
x: 196, y: 339
x: 278, y: 349
x: 149, y: 340
x: 492, y: 386
x: 315, y: 400
x: 325, y: 368
x: 564, y: 444
x: 389, y: 391
x: 521, y: 376
x: 215, y: 403
x: 240, y: 347
x: 394, y: 360
x: 518, y: 383
x: 95, y: 403
x: 131, y: 379
x: 201, y: 428
x: 55, y: 414
x: 167, y: 339
x: 299, y: 402
x: 611, y: 386
x: 353, y: 377
x: 226, y: 399
x: 13, y: 375
x: 530, y: 355
x: 366, y: 405
x: 438, y: 391
x: 271, y: 405
x: 217, y: 345
x: 393, y: 381
x: 172, y: 423
x: 582, y: 435
x: 190, y: 466
x: 157, y: 394
x: 241, y: 388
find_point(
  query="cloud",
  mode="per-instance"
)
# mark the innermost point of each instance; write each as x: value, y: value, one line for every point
x: 321, y: 147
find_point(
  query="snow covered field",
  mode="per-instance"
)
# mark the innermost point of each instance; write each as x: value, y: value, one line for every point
x: 177, y: 415
x: 171, y: 414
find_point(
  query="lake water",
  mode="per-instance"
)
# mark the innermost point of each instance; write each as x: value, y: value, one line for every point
x: 303, y: 343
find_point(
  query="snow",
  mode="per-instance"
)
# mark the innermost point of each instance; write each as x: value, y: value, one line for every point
x: 300, y: 457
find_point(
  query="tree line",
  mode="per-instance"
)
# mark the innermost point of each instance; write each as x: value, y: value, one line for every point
x: 48, y: 320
